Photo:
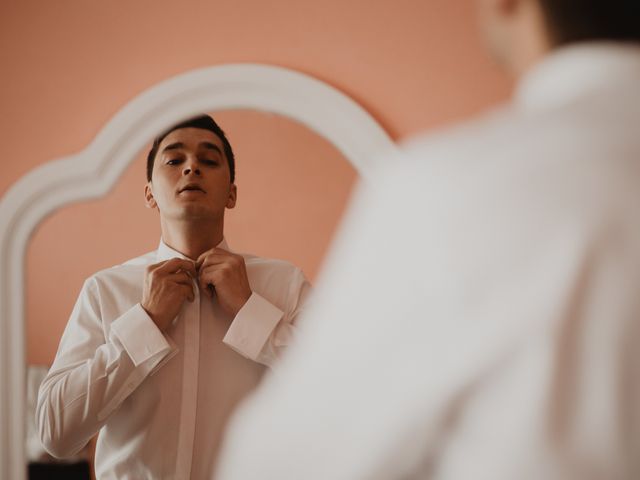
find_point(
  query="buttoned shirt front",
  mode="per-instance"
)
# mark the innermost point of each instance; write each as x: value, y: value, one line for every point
x: 161, y: 400
x: 485, y: 287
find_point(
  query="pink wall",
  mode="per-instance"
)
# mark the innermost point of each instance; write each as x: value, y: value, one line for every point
x: 68, y: 66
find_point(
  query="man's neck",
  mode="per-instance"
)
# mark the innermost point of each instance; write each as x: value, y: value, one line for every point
x: 192, y: 239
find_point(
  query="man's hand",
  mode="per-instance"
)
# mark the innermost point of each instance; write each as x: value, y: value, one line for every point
x: 227, y: 274
x: 166, y: 287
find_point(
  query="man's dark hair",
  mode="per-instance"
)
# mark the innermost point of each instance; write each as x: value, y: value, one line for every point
x: 571, y: 21
x: 204, y: 122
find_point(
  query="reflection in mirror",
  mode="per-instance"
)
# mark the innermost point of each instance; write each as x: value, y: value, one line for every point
x: 292, y: 188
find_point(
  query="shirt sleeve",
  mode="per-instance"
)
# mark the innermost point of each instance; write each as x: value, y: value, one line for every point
x: 261, y: 331
x: 91, y: 375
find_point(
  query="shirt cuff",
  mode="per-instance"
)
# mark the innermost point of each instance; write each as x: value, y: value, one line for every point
x: 252, y: 327
x: 140, y: 337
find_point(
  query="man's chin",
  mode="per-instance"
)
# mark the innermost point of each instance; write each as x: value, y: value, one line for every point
x: 195, y: 213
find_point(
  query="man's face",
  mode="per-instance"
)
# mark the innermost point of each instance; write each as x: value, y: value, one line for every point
x: 191, y: 178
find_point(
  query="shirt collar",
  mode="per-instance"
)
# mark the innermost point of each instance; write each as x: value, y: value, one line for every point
x: 165, y: 252
x: 573, y: 71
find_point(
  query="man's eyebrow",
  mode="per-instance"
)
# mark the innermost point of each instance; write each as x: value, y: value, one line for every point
x: 180, y: 145
x: 173, y: 146
x: 211, y: 146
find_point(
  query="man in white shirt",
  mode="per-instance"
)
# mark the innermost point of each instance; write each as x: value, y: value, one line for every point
x: 159, y: 350
x: 479, y: 316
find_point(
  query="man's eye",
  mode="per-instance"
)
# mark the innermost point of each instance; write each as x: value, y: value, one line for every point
x: 208, y: 161
x: 173, y: 161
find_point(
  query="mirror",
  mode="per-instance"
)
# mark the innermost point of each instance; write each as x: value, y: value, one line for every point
x: 91, y: 173
x: 292, y: 188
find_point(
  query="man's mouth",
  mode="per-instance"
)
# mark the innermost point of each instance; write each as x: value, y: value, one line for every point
x: 192, y: 187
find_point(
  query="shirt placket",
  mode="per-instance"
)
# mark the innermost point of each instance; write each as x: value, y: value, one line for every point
x: 186, y: 435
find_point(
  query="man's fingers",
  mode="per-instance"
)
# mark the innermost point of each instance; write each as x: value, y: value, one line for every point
x: 218, y: 253
x: 213, y: 259
x: 186, y: 290
x: 213, y: 264
x: 181, y: 276
x: 215, y: 256
x: 181, y: 282
x: 204, y: 285
x: 212, y: 251
x: 221, y: 261
x: 176, y: 264
x: 213, y: 273
x: 208, y: 289
x: 211, y: 277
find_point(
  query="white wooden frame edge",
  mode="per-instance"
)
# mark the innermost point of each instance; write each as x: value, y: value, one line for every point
x: 92, y: 172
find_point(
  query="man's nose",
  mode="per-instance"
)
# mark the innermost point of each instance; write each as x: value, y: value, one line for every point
x: 191, y: 167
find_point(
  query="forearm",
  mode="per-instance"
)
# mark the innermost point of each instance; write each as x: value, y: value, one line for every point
x: 79, y: 393
x: 73, y: 399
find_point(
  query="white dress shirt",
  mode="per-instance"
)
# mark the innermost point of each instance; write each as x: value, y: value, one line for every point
x: 486, y: 291
x: 160, y: 401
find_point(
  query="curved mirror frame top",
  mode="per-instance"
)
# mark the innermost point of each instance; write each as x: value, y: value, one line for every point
x: 92, y: 172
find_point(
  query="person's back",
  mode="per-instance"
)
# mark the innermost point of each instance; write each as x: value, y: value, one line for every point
x: 539, y: 204
x: 484, y: 291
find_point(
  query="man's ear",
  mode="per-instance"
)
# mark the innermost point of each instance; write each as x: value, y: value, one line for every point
x: 233, y: 194
x: 149, y: 201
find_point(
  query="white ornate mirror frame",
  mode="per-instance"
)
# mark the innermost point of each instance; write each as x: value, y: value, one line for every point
x: 94, y: 171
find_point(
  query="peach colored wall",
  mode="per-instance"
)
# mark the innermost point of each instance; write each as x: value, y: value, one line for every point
x: 69, y: 65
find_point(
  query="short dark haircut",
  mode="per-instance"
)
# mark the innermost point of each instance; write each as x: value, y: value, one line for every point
x: 204, y: 122
x: 571, y: 21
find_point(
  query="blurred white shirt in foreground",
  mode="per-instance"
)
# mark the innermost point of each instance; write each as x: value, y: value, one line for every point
x: 479, y: 316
